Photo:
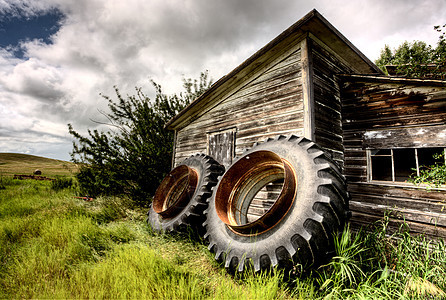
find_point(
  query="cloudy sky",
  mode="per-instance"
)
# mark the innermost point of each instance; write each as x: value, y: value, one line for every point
x: 57, y: 56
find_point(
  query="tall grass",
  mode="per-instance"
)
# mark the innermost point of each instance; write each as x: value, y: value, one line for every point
x: 55, y: 246
x: 375, y: 264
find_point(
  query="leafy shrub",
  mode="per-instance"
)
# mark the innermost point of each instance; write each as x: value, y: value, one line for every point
x: 61, y: 183
x: 417, y: 59
x: 5, y: 181
x: 135, y: 154
x: 433, y: 175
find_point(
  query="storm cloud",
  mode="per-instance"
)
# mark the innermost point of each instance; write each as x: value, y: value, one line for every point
x: 102, y: 43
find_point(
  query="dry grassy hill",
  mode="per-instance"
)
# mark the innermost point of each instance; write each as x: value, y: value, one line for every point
x: 15, y: 163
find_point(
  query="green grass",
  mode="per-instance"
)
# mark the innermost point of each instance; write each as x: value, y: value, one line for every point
x: 53, y: 245
x: 376, y: 264
x: 16, y: 163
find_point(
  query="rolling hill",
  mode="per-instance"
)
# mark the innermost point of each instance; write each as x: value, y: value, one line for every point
x: 16, y: 163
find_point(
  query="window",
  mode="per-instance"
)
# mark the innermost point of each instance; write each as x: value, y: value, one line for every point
x: 397, y: 165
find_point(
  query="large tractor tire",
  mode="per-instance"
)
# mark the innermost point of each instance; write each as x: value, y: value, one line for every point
x: 298, y: 227
x: 182, y: 196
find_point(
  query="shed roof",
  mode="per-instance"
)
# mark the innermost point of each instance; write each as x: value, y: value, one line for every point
x: 313, y: 23
x: 393, y: 79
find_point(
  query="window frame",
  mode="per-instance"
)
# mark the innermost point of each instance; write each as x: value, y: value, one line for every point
x: 393, y: 181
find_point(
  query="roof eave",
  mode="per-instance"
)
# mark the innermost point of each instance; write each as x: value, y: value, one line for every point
x: 300, y: 27
x: 391, y: 79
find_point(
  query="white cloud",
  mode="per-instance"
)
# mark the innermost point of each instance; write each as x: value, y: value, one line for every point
x: 102, y: 43
x: 35, y: 78
x: 20, y: 8
x: 371, y: 24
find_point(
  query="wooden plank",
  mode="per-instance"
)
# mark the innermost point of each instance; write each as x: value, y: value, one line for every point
x: 327, y: 98
x: 259, y: 98
x: 360, y: 160
x: 244, y: 104
x: 324, y: 50
x: 422, y: 205
x: 266, y: 123
x: 237, y: 80
x: 220, y: 146
x: 353, y: 153
x: 326, y: 66
x: 272, y: 119
x: 247, y: 143
x: 269, y: 128
x: 368, y: 222
x: 408, y: 191
x: 416, y: 216
x: 413, y: 137
x: 355, y: 170
x: 270, y: 104
x: 257, y: 113
x: 395, y: 121
x: 307, y: 89
x: 378, y: 105
x: 260, y: 83
x: 328, y: 120
x: 327, y: 139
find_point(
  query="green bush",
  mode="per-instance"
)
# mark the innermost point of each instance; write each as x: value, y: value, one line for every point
x: 61, y: 183
x: 417, y: 59
x: 5, y: 181
x: 135, y: 154
x: 433, y: 175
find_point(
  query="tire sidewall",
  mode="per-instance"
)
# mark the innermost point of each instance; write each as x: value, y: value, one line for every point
x: 198, y: 163
x: 306, y: 172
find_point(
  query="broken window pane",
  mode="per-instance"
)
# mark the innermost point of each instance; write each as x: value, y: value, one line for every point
x: 426, y: 156
x: 404, y: 163
x: 382, y: 168
x: 381, y: 152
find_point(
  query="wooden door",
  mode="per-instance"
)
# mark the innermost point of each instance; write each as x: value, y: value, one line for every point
x: 221, y: 146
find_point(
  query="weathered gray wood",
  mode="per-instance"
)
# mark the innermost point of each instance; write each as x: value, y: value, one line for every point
x: 267, y: 105
x: 308, y: 90
x: 381, y: 115
x: 368, y: 220
x: 263, y: 200
x: 236, y: 81
x: 327, y: 99
x: 412, y: 215
x: 174, y: 149
x: 221, y: 146
x: 412, y: 137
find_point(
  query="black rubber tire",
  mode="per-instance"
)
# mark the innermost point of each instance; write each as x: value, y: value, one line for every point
x: 190, y: 213
x: 304, y: 233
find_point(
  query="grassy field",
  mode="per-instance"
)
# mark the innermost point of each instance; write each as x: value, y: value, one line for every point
x: 15, y: 163
x: 53, y: 245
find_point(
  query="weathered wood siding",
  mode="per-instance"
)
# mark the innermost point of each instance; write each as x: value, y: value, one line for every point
x: 384, y: 115
x: 270, y: 103
x: 327, y: 100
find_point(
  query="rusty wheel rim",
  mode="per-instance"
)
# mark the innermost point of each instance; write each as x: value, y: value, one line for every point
x: 175, y: 191
x: 243, y: 181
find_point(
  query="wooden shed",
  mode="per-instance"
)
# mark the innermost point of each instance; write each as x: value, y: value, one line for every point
x: 305, y: 82
x: 392, y: 127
